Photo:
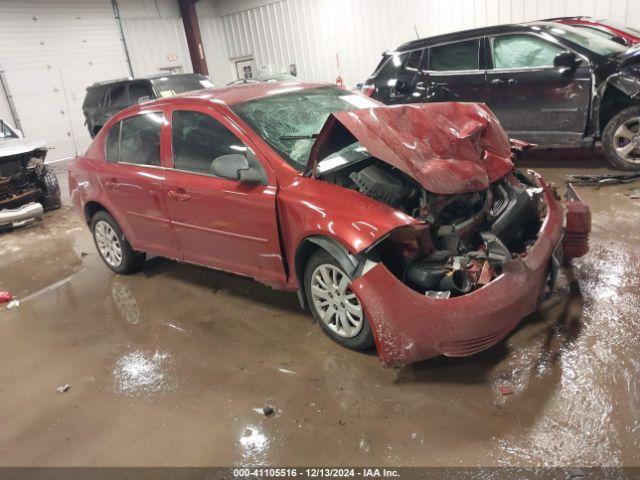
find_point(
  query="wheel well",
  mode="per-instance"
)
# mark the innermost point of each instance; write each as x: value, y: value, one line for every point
x: 613, y: 102
x: 90, y: 209
x: 309, y: 246
x: 96, y: 129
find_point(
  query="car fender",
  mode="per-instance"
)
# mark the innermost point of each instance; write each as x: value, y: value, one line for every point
x: 627, y: 85
x: 342, y: 221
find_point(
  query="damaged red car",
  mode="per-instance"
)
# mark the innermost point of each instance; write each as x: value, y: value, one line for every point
x: 405, y: 227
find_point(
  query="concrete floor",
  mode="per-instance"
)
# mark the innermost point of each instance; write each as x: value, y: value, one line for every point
x: 174, y: 366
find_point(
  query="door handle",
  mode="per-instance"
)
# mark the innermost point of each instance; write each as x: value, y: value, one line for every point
x: 180, y: 196
x: 498, y: 82
x: 511, y: 82
x: 112, y: 184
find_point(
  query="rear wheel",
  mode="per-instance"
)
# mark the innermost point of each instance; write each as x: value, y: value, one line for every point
x: 334, y: 305
x: 113, y: 247
x: 621, y: 140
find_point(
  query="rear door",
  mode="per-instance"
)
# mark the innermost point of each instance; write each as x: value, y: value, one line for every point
x: 133, y: 179
x: 454, y: 73
x: 534, y: 100
x: 225, y: 224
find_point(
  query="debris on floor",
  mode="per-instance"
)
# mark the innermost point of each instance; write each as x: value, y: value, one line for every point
x: 268, y: 411
x: 63, y: 388
x: 633, y: 193
x: 5, y: 297
x: 590, y: 180
x: 504, y: 391
x: 13, y: 304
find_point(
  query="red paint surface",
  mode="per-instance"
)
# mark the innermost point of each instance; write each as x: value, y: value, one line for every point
x: 255, y: 230
x: 447, y: 147
x: 633, y: 39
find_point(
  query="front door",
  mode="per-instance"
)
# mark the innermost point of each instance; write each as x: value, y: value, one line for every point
x: 534, y: 100
x: 221, y: 223
x: 454, y: 73
x: 133, y: 181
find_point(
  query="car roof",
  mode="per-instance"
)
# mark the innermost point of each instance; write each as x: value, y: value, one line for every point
x: 470, y: 34
x: 235, y: 94
x: 155, y: 76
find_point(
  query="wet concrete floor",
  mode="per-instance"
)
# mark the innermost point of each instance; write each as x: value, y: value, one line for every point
x: 174, y: 365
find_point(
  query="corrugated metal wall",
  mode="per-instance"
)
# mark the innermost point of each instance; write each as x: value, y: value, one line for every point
x: 311, y: 32
x: 50, y: 51
x: 155, y: 44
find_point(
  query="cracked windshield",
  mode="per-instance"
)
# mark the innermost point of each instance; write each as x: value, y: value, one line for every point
x: 291, y: 121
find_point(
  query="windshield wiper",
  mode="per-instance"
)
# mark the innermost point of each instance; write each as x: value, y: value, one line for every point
x: 299, y: 137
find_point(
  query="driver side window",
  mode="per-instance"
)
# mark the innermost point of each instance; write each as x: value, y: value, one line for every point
x: 522, y: 51
x: 199, y: 139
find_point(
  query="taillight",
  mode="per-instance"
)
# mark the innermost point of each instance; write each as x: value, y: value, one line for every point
x: 368, y: 90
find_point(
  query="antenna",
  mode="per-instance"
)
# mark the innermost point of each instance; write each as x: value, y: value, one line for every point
x: 416, y: 30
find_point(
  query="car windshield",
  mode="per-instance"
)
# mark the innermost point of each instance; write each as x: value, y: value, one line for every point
x: 291, y: 120
x: 175, y: 84
x: 621, y: 27
x: 586, y: 39
x: 6, y: 131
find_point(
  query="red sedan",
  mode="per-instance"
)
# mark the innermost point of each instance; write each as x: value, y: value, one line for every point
x: 403, y: 226
x: 604, y: 28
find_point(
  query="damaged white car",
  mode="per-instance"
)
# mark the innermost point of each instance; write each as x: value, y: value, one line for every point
x: 28, y: 187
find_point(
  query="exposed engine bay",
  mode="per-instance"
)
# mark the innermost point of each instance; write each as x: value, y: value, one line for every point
x: 465, y: 239
x: 25, y: 181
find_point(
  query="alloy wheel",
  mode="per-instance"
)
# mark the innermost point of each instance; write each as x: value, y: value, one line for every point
x: 336, y: 304
x: 108, y: 243
x: 626, y: 140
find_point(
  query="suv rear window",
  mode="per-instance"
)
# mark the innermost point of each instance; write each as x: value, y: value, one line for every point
x: 94, y: 97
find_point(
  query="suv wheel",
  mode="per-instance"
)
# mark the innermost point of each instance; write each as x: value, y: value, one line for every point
x: 621, y: 140
x: 113, y: 247
x: 333, y: 304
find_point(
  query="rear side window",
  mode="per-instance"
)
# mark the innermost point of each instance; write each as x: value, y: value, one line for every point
x: 455, y: 56
x: 112, y: 144
x: 140, y: 92
x: 393, y: 65
x: 413, y: 60
x: 523, y: 51
x: 135, y: 140
x: 118, y: 96
x: 199, y: 139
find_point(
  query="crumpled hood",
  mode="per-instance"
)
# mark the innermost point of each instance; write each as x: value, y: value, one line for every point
x: 448, y: 148
x: 15, y: 146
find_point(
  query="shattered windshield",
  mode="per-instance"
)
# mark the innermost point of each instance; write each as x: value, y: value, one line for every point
x: 587, y: 40
x: 290, y: 121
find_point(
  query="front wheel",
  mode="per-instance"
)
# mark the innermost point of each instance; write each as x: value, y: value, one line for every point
x: 334, y: 305
x: 621, y: 140
x: 113, y: 247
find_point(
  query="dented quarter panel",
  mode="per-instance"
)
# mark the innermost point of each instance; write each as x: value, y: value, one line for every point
x: 448, y: 148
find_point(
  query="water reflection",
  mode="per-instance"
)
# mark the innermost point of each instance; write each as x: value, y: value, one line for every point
x: 141, y: 373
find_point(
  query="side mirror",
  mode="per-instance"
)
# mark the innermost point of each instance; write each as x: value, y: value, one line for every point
x: 239, y: 167
x: 566, y: 60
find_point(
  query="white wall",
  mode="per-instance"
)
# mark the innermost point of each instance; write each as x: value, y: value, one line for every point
x: 155, y: 36
x: 50, y: 52
x: 311, y: 32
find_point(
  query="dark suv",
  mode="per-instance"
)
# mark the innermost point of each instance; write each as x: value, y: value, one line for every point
x: 549, y: 84
x: 103, y: 99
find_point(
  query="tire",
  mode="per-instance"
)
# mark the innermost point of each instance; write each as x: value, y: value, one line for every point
x: 113, y: 247
x: 51, y: 190
x: 358, y: 334
x: 615, y: 138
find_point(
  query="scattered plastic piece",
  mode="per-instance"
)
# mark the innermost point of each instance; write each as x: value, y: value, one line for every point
x: 506, y: 391
x: 599, y: 180
x: 268, y: 411
x: 5, y: 297
x: 13, y: 304
x: 63, y: 388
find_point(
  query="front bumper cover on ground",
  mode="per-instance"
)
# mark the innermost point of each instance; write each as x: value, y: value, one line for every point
x: 409, y: 327
x: 17, y: 217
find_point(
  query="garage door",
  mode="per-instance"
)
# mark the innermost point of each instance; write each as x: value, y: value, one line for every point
x: 50, y: 52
